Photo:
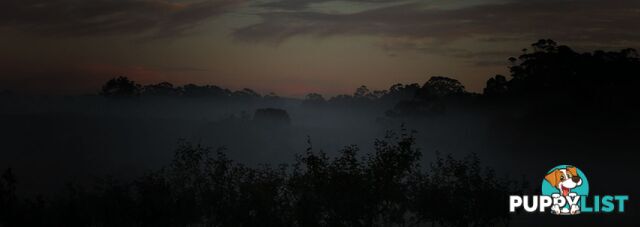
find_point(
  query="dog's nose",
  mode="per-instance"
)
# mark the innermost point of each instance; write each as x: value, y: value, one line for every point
x: 575, y: 179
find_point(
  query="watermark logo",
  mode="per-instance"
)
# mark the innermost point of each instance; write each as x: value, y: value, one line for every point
x: 565, y: 184
x: 565, y: 191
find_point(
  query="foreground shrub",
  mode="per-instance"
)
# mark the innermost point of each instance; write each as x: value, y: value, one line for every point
x: 202, y: 187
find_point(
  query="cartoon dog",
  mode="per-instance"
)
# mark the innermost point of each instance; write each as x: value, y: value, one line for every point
x: 564, y: 180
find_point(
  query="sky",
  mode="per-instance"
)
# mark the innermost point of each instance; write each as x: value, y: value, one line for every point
x: 290, y: 47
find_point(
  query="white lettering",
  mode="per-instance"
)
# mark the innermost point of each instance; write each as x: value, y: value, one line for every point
x: 545, y: 201
x: 514, y: 201
x: 530, y: 207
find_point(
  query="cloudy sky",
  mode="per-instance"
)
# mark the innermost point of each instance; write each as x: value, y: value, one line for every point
x: 290, y: 47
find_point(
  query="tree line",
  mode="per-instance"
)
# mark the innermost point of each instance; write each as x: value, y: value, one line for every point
x: 123, y: 87
x: 548, y: 73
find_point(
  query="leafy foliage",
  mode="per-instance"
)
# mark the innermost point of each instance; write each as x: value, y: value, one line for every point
x: 203, y: 187
x: 121, y: 87
x: 555, y: 71
x: 440, y: 87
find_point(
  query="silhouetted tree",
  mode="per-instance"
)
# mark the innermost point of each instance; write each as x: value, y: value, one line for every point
x: 391, y: 168
x: 160, y: 89
x: 120, y: 87
x: 556, y: 73
x: 496, y: 86
x: 314, y: 99
x: 271, y: 96
x: 363, y: 92
x: 439, y: 87
x: 192, y: 90
x: 341, y: 99
x: 246, y: 93
x: 400, y: 92
x: 432, y: 98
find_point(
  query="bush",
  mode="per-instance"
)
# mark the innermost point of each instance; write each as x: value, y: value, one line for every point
x: 203, y: 187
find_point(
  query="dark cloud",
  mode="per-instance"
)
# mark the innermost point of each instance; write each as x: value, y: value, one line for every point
x: 304, y: 4
x: 186, y: 69
x: 473, y: 57
x: 489, y: 63
x: 157, y: 18
x: 290, y: 4
x: 439, y: 49
x: 612, y: 21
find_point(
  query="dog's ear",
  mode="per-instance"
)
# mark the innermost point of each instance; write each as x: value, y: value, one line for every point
x: 553, y: 178
x: 572, y: 170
